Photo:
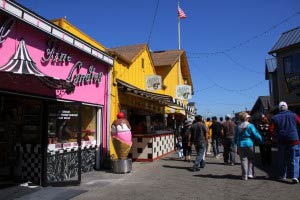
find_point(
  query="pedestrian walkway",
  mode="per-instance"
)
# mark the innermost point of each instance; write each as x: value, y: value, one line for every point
x: 171, y: 178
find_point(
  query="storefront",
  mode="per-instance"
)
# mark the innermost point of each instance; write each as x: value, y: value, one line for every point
x: 153, y: 131
x: 53, y: 101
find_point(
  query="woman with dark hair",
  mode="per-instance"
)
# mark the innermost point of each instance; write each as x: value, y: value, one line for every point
x: 186, y: 140
x: 265, y: 148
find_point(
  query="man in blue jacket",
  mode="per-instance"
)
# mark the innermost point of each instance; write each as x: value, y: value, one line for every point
x: 284, y: 127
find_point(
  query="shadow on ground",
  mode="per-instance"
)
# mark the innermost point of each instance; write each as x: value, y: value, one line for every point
x: 227, y: 176
x: 179, y: 167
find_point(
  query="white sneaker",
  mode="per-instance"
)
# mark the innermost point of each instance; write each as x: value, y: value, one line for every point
x: 251, y: 176
x: 245, y: 178
x: 295, y: 180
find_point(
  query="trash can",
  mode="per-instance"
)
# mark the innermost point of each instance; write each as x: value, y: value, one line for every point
x: 122, y: 166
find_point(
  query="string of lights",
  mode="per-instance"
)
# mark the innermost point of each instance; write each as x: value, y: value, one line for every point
x: 241, y: 65
x: 241, y: 44
x: 215, y: 84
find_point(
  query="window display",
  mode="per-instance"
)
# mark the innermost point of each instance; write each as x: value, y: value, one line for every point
x: 64, y: 126
x: 88, y: 129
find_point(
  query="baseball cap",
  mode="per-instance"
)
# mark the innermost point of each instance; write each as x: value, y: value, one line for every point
x: 228, y: 116
x: 282, y: 105
x: 188, y: 122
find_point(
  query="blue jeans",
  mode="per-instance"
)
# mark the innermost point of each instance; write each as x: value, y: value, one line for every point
x: 215, y: 143
x: 288, y: 161
x: 200, y: 149
x: 229, y: 151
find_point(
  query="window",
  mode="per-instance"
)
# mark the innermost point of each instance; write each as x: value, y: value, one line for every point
x: 64, y: 125
x: 89, y: 124
x: 291, y: 64
x: 143, y: 63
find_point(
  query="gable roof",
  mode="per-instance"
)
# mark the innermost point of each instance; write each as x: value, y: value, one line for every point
x: 169, y: 58
x: 166, y: 58
x: 287, y: 39
x: 128, y: 53
x: 261, y: 100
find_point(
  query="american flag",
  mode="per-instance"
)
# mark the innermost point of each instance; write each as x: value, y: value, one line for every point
x: 181, y: 14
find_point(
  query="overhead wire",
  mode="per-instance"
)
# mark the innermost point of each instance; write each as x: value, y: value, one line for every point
x: 153, y: 22
x: 239, y: 45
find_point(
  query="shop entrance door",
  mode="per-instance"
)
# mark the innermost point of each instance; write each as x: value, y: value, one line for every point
x: 63, y: 155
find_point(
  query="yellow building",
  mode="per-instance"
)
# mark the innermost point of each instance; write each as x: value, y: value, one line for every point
x: 172, y: 66
x: 66, y: 25
x: 144, y: 92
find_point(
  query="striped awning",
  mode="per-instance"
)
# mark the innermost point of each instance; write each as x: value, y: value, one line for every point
x: 160, y: 98
x: 22, y: 63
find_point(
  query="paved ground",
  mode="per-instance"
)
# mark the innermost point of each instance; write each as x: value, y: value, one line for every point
x: 170, y: 178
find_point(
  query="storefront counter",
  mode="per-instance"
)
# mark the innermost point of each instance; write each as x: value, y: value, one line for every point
x: 150, y: 147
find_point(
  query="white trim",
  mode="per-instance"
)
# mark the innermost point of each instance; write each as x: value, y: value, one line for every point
x: 30, y: 19
x: 99, y: 137
x: 78, y: 44
x: 45, y: 26
x: 87, y: 49
x: 68, y: 39
x: 57, y: 33
x: 12, y: 9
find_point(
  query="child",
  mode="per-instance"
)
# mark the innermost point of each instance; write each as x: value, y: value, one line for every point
x: 179, y: 147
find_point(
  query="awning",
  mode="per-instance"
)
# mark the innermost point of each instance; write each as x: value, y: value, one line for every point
x: 165, y: 100
x: 22, y: 64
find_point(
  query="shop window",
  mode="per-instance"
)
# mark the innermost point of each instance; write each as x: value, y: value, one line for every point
x: 292, y: 64
x: 89, y: 124
x: 64, y: 126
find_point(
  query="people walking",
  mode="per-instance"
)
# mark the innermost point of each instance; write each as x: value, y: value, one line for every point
x: 186, y: 140
x: 199, y: 132
x: 245, y: 134
x: 221, y: 119
x: 228, y: 140
x: 179, y: 147
x: 209, y: 133
x: 216, y: 128
x: 266, y: 147
x: 284, y: 127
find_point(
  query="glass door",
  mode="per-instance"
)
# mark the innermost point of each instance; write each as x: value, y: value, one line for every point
x: 63, y: 155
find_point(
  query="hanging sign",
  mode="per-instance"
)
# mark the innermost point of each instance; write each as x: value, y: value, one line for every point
x: 183, y: 92
x: 153, y: 82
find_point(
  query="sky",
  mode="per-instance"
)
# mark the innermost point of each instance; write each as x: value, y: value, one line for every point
x: 226, y: 42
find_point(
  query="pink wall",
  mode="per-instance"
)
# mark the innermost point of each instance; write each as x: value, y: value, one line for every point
x: 36, y: 43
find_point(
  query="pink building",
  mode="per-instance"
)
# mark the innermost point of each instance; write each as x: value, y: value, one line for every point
x: 53, y: 100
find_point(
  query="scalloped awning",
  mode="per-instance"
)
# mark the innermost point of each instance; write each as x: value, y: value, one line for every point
x: 22, y: 63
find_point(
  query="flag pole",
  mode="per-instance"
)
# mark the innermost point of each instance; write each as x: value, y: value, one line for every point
x: 179, y: 60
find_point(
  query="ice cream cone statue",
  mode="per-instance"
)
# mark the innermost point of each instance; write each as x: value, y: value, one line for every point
x: 121, y: 136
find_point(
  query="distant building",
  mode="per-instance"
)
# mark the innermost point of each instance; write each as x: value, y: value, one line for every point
x: 283, y: 70
x: 261, y: 106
